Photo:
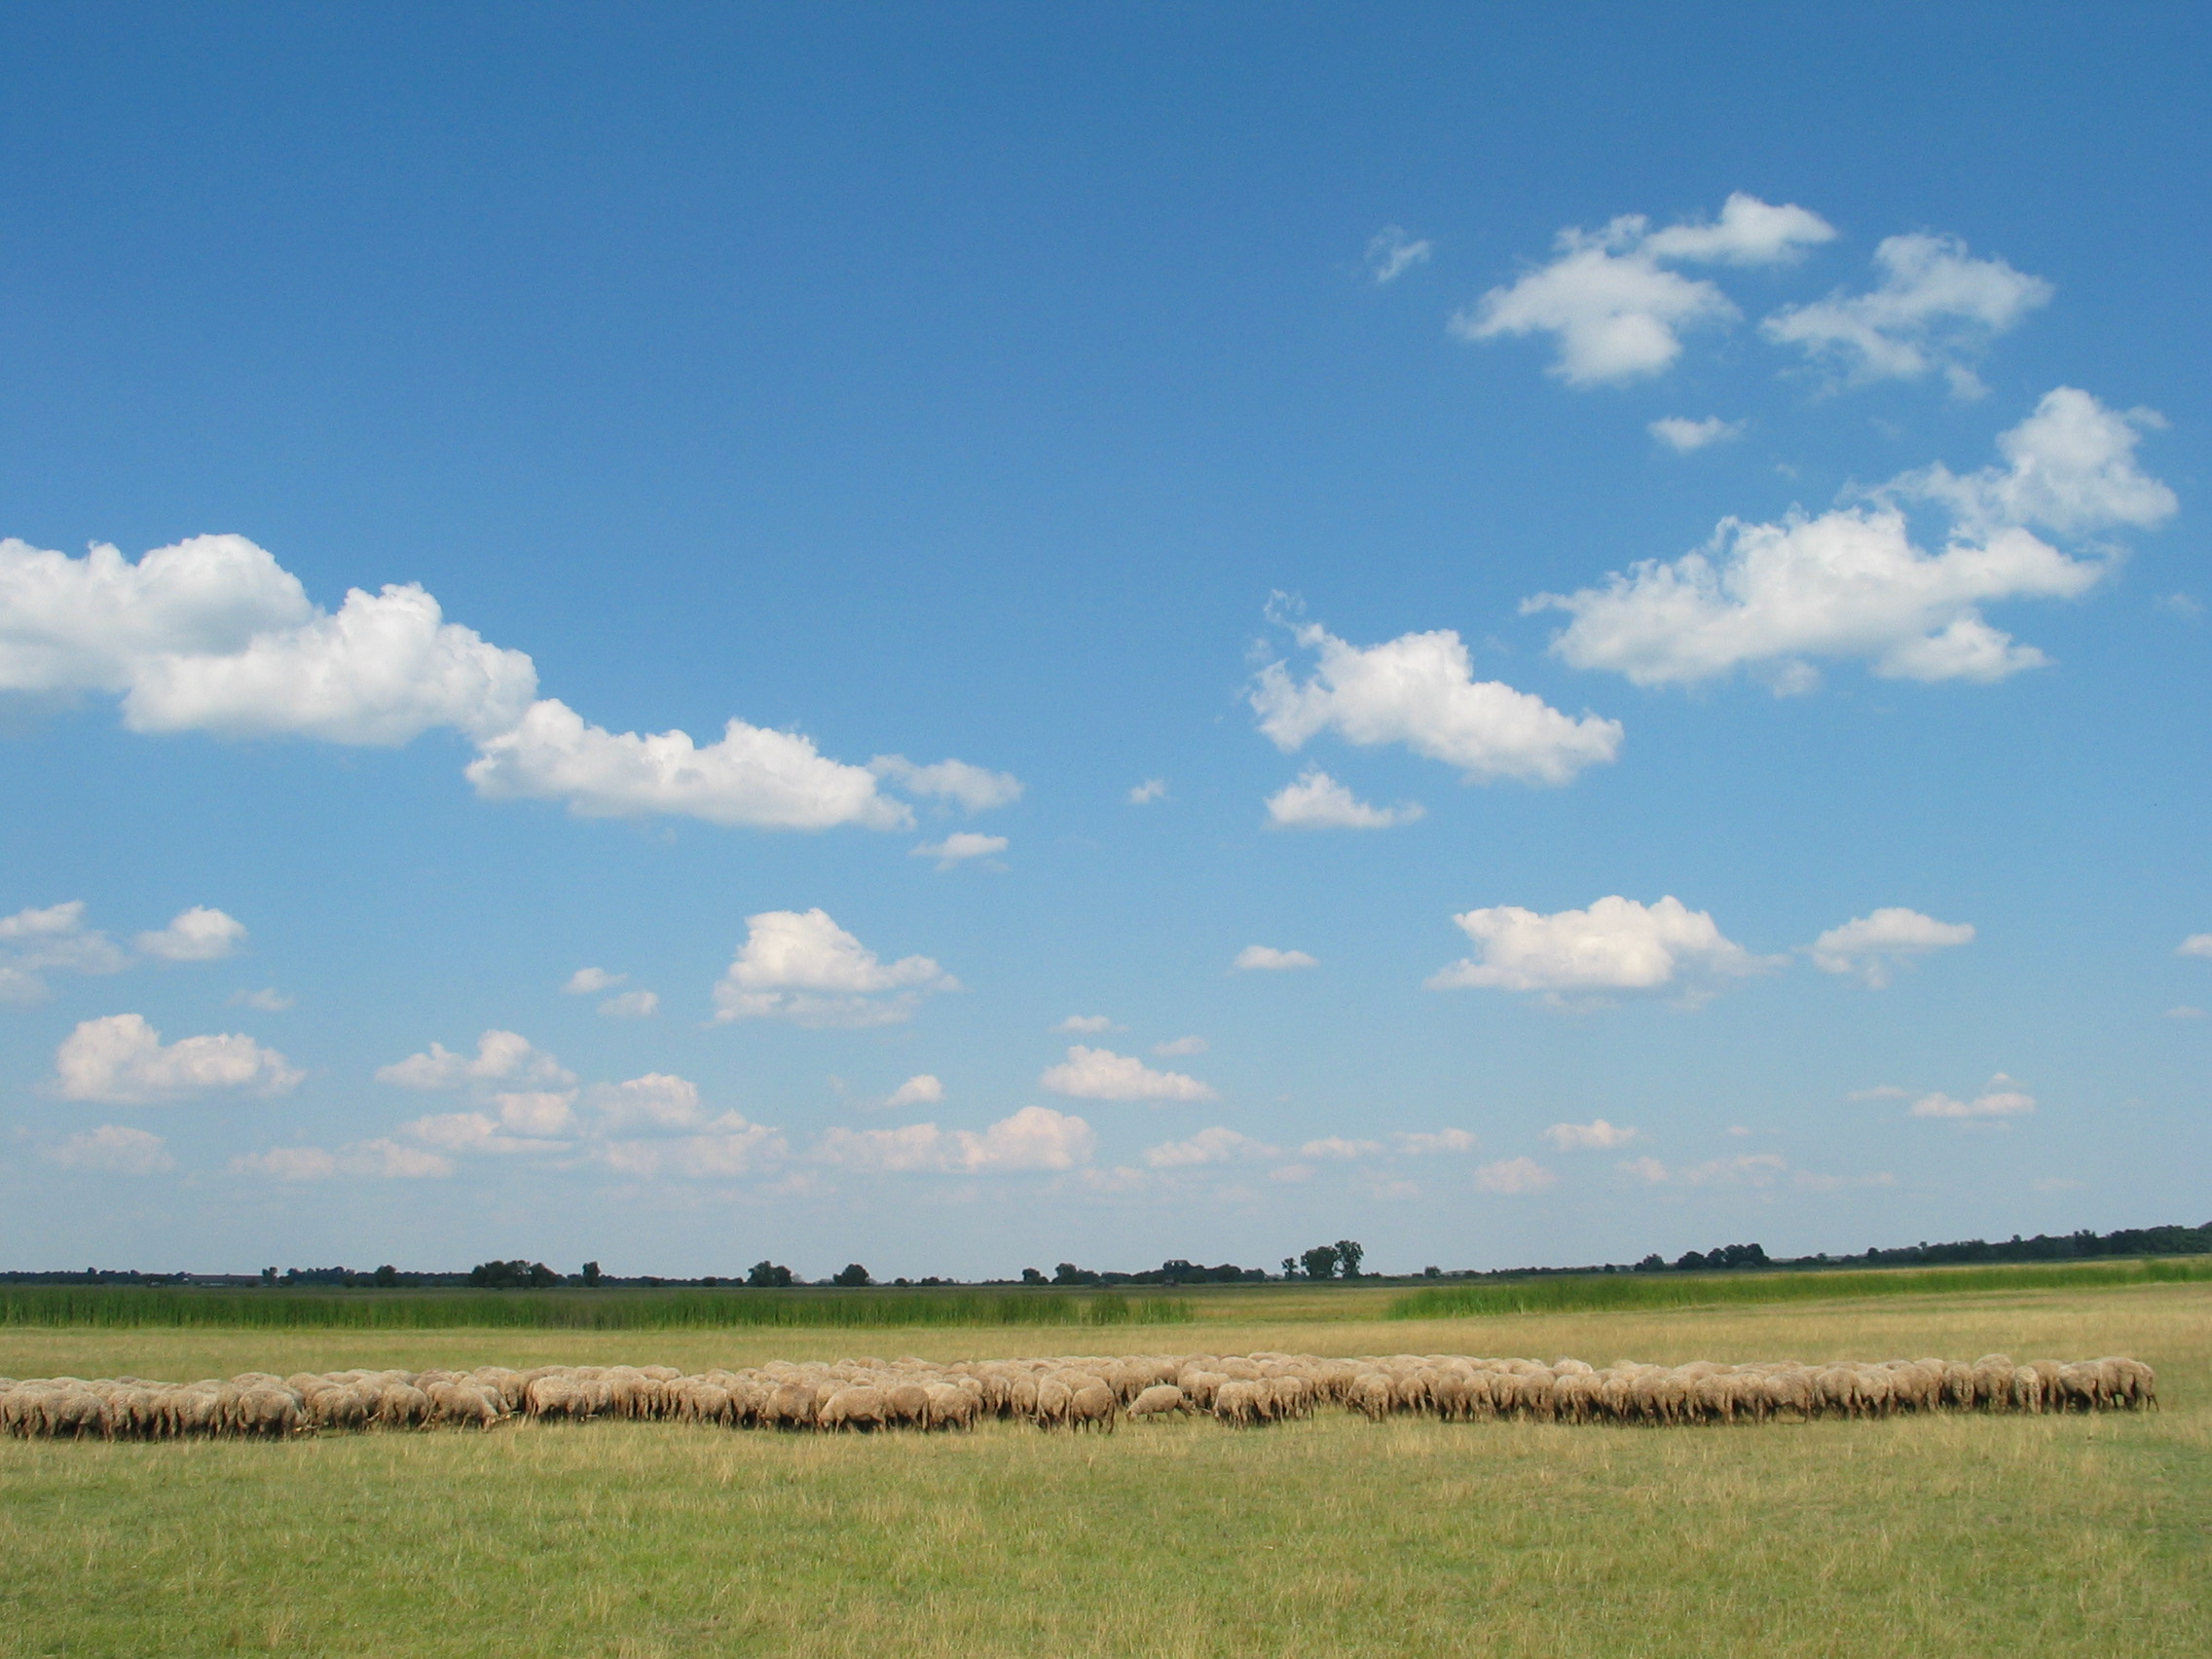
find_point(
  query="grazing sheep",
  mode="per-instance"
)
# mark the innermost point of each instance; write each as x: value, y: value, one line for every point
x: 1093, y: 1407
x: 1237, y: 1404
x: 852, y: 1408
x: 1161, y: 1399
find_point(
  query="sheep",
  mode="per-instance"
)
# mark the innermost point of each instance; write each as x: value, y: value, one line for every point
x: 1161, y: 1399
x: 1237, y: 1404
x: 1093, y: 1407
x: 853, y: 1406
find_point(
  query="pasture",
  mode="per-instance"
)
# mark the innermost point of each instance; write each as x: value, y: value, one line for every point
x: 1936, y: 1535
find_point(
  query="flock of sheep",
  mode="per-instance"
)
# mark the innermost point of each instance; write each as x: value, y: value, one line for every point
x: 1070, y: 1392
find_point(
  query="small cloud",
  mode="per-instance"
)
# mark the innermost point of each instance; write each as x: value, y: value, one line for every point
x: 2184, y: 1012
x: 1646, y: 1169
x: 1266, y: 958
x: 1318, y: 801
x: 1683, y: 435
x: 1033, y: 1138
x: 122, y: 1061
x: 975, y: 788
x: 920, y: 1089
x: 1426, y: 1143
x: 1738, y: 1129
x: 2181, y: 606
x: 960, y: 848
x: 1100, y: 1073
x: 196, y: 935
x: 1208, y: 1146
x: 1392, y: 254
x: 1598, y: 1137
x: 1873, y: 946
x: 1180, y: 1046
x: 268, y: 1001
x: 501, y: 1056
x: 632, y: 1005
x: 2196, y: 945
x: 378, y: 1160
x: 113, y: 1148
x: 1337, y: 1147
x: 1086, y: 1023
x: 1148, y: 792
x: 2003, y: 1098
x: 1514, y: 1176
x: 1883, y: 1091
x: 590, y: 981
x: 802, y: 967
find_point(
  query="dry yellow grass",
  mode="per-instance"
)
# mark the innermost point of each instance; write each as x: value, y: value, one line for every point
x: 1937, y: 1537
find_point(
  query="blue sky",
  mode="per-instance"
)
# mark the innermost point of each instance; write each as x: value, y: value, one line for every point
x: 1652, y: 565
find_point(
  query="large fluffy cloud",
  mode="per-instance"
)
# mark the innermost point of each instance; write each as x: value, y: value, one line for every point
x: 1615, y: 309
x: 1421, y: 690
x: 1616, y: 944
x: 122, y: 1061
x: 213, y: 635
x: 1851, y: 583
x: 1873, y: 945
x: 1100, y: 1073
x: 1033, y: 1138
x: 1933, y: 303
x: 800, y: 966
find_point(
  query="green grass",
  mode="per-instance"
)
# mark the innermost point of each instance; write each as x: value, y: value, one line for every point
x: 147, y: 1308
x: 1568, y: 1292
x: 1942, y: 1538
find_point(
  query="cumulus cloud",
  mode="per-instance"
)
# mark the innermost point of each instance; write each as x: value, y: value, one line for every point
x: 1420, y: 691
x: 1613, y: 308
x: 1318, y: 801
x: 1392, y: 254
x: 268, y: 1000
x: 1180, y: 1046
x: 658, y: 1098
x: 36, y: 941
x: 1148, y: 792
x: 1873, y: 945
x: 1264, y: 958
x: 212, y: 635
x: 1683, y: 435
x: 1935, y: 305
x: 1616, y: 944
x: 1086, y: 1022
x: 1216, y: 1145
x: 1746, y: 1169
x: 501, y: 1056
x: 113, y: 1148
x: 2002, y: 1098
x: 1513, y: 1176
x: 590, y: 981
x: 728, y: 1146
x: 375, y: 1160
x: 1851, y: 583
x: 196, y: 935
x: 1100, y: 1073
x: 121, y: 1060
x: 961, y: 848
x: 1427, y: 1143
x: 2196, y: 945
x: 520, y: 1125
x: 1337, y: 1148
x: 632, y: 1005
x: 920, y: 1089
x: 1596, y: 1136
x: 800, y: 966
x: 972, y: 786
x: 1033, y: 1138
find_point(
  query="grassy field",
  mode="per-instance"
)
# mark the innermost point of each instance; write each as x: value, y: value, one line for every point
x: 1940, y: 1536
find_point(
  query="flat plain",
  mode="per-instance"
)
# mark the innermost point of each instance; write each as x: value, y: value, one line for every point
x: 1938, y: 1535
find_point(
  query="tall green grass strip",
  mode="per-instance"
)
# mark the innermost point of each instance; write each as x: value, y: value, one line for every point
x: 1570, y: 1293
x: 128, y: 1307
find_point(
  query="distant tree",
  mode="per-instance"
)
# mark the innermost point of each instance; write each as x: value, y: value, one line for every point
x: 1290, y: 1267
x: 386, y: 1276
x: 1030, y: 1275
x: 1651, y: 1264
x: 1432, y: 1272
x: 268, y: 1275
x: 1690, y: 1260
x: 1067, y: 1273
x: 592, y: 1274
x: 1348, y: 1252
x: 853, y: 1276
x: 1320, y: 1262
x: 767, y: 1275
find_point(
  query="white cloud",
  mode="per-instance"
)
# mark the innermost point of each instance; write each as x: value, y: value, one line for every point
x: 1337, y: 1148
x: 113, y: 1148
x: 52, y: 939
x: 1392, y: 254
x: 2002, y: 1098
x: 1148, y: 792
x: 590, y: 981
x: 1935, y: 304
x: 1514, y: 1175
x: 1881, y: 1091
x: 378, y: 1160
x: 1216, y: 1145
x: 268, y: 1000
x: 1646, y: 1169
x: 501, y: 1056
x: 2196, y: 945
x: 1033, y: 1138
x: 1872, y: 946
x: 920, y: 1089
x: 972, y: 786
x: 1427, y: 1143
x: 730, y: 1146
x: 196, y: 935
x: 752, y: 776
x: 1596, y: 1136
x: 1683, y: 435
x: 1616, y: 313
x: 960, y: 848
x: 120, y: 1060
x: 2068, y: 467
x: 2180, y: 604
x: 1318, y: 801
x: 476, y: 1133
x: 1746, y: 1169
x: 1420, y: 691
x: 2184, y: 1012
x: 632, y: 1005
x: 1086, y: 1022
x: 1180, y: 1046
x: 802, y: 967
x: 539, y: 1113
x: 1100, y: 1073
x: 1264, y: 958
x: 1616, y: 944
x: 659, y: 1098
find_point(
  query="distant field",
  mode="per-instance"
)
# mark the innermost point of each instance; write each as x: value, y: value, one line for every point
x: 1948, y: 1535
